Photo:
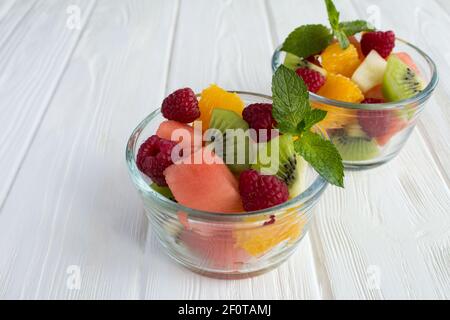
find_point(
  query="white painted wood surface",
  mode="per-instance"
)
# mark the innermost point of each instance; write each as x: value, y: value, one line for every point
x: 69, y: 99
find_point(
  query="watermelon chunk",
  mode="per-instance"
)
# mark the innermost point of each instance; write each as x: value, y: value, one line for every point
x: 207, y: 186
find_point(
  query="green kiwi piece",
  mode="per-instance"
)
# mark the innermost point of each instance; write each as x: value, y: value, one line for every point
x: 288, y: 166
x: 293, y: 62
x: 235, y: 138
x: 164, y: 191
x: 354, y: 148
x: 400, y: 81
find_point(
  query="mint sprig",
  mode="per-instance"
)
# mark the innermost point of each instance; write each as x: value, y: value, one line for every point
x: 294, y: 115
x: 307, y: 40
x: 338, y: 32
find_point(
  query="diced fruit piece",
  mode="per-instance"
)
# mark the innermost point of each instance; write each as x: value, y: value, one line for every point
x: 371, y: 72
x: 257, y: 241
x: 313, y: 79
x: 357, y: 45
x: 340, y: 61
x: 214, y: 246
x: 354, y: 148
x: 400, y: 81
x: 293, y: 62
x: 375, y: 122
x: 181, y: 106
x: 167, y: 130
x: 164, y: 191
x: 233, y: 143
x: 288, y: 166
x: 375, y: 93
x: 206, y: 185
x: 406, y: 58
x: 154, y: 156
x: 338, y: 87
x: 182, y: 133
x: 215, y: 97
x: 259, y: 117
x: 261, y: 192
x: 336, y: 117
x: 382, y: 42
x: 397, y: 125
x: 373, y: 101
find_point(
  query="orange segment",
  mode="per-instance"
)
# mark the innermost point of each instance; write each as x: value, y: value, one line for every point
x: 339, y: 61
x: 338, y: 87
x: 259, y: 240
x: 216, y: 97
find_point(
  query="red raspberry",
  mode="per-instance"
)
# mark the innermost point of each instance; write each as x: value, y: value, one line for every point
x: 259, y: 117
x: 314, y: 80
x: 372, y: 101
x: 259, y: 192
x: 382, y: 42
x: 154, y: 157
x: 181, y: 106
x: 375, y: 122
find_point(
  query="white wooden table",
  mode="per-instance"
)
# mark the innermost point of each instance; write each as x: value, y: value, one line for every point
x: 72, y: 225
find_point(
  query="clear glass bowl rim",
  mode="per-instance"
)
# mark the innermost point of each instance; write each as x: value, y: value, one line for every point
x: 418, y: 99
x: 306, y: 198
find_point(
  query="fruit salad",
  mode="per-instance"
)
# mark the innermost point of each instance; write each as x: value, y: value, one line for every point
x: 213, y: 153
x: 351, y: 62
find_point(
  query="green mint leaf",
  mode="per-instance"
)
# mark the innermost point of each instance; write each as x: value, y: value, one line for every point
x: 333, y: 17
x: 333, y: 14
x: 351, y: 28
x: 313, y: 117
x: 307, y: 40
x: 290, y: 100
x: 323, y: 156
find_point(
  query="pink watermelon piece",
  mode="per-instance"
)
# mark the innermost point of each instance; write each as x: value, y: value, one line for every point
x: 207, y: 186
x: 215, y: 246
x: 406, y: 58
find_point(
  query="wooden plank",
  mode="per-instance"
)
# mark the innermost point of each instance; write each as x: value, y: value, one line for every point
x: 227, y: 42
x: 387, y: 234
x: 72, y: 204
x: 33, y: 57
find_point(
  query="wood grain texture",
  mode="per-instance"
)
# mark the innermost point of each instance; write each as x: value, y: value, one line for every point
x: 70, y: 99
x: 72, y: 202
x: 387, y: 234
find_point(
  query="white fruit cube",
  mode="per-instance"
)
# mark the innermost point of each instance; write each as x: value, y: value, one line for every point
x: 370, y: 73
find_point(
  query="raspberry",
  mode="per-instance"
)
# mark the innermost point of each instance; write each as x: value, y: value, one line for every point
x: 154, y: 157
x: 382, y: 42
x: 314, y: 80
x: 259, y: 192
x: 181, y: 106
x: 375, y: 122
x: 259, y: 117
x: 372, y: 101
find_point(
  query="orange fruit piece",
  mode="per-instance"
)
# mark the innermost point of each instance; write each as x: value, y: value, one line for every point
x: 339, y: 61
x: 338, y: 87
x: 216, y: 97
x: 357, y: 45
x: 258, y: 240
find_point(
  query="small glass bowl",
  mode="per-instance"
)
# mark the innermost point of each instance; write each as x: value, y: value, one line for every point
x: 224, y: 245
x: 357, y: 149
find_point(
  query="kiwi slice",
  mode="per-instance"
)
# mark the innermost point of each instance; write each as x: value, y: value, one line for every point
x: 293, y: 62
x: 234, y: 136
x: 400, y: 81
x: 288, y: 166
x: 164, y: 191
x: 354, y: 148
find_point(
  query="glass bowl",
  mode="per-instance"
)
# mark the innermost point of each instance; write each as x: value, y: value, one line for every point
x: 395, y: 121
x: 224, y: 245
